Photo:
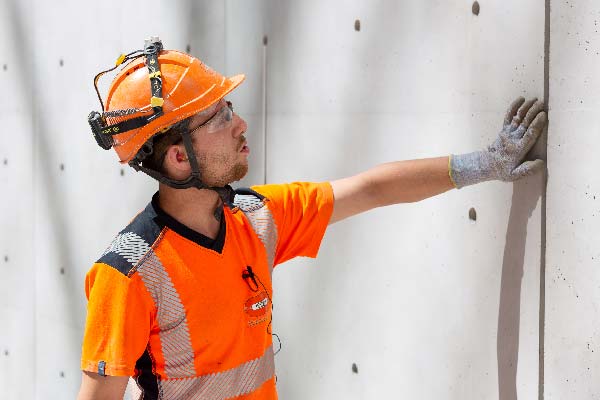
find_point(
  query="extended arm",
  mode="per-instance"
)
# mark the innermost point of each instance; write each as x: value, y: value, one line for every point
x: 391, y: 183
x: 410, y: 181
x: 96, y: 387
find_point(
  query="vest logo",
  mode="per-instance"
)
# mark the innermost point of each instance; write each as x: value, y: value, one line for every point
x: 261, y: 304
x: 257, y: 308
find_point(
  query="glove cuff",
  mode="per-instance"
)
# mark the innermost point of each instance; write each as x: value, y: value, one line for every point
x: 469, y: 169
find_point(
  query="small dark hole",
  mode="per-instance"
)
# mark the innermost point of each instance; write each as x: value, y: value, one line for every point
x: 6, y: 258
x: 357, y: 25
x: 472, y: 214
x: 5, y: 67
x: 354, y: 368
x: 188, y: 48
x: 61, y: 62
x: 5, y: 161
x: 6, y: 353
x: 62, y: 271
x: 476, y: 8
x: 62, y: 374
x: 265, y: 40
x: 147, y: 149
x: 62, y: 167
x: 122, y: 172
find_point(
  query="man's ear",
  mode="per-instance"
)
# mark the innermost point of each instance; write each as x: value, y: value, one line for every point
x: 176, y: 160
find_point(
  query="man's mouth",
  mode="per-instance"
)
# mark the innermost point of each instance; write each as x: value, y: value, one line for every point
x: 244, y: 147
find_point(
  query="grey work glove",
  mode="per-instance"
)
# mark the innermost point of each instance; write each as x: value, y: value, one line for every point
x: 523, y: 124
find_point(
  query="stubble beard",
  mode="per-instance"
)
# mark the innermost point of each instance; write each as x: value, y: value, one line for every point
x: 235, y: 174
x: 211, y: 178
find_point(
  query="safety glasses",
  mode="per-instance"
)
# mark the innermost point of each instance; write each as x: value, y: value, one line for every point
x: 221, y: 119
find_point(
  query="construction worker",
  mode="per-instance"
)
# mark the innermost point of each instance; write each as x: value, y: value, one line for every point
x: 181, y: 299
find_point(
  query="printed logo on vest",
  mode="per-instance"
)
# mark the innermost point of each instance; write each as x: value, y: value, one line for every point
x: 257, y: 308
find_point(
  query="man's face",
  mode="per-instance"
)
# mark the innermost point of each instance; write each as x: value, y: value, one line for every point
x: 220, y: 145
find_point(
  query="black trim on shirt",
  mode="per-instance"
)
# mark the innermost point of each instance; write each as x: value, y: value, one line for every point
x: 143, y: 227
x: 248, y: 191
x: 146, y: 379
x: 165, y: 219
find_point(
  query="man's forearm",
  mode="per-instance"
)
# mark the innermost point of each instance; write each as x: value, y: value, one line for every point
x: 391, y: 183
x: 407, y: 181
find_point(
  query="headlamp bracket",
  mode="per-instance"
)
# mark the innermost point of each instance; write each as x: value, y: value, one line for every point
x: 103, y: 131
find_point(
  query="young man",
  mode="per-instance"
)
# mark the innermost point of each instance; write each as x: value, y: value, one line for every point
x: 181, y: 299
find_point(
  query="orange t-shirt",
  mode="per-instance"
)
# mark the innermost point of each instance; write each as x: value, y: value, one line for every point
x: 188, y: 316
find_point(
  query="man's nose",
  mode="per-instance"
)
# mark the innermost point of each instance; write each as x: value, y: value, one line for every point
x: 240, y: 125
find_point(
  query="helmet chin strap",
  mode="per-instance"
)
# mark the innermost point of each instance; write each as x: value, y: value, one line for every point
x: 226, y: 193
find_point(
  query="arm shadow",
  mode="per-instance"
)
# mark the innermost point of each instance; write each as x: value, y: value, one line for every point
x: 526, y: 194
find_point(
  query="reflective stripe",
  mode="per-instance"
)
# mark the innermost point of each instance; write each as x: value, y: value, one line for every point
x: 262, y: 222
x: 130, y: 246
x: 171, y: 317
x: 238, y: 381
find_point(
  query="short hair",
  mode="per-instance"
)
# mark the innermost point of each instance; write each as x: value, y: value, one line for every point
x: 162, y: 141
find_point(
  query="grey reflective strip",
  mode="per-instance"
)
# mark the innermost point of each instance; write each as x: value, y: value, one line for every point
x: 262, y: 222
x: 174, y: 333
x: 130, y: 246
x: 238, y: 381
x: 248, y: 203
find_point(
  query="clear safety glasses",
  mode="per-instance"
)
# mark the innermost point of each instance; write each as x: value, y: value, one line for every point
x: 221, y: 119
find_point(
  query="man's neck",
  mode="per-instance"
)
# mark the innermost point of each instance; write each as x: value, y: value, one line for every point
x: 194, y: 208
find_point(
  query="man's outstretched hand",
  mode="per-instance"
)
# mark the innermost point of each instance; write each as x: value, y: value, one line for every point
x: 503, y: 159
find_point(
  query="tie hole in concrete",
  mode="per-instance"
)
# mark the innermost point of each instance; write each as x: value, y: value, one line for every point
x: 473, y: 214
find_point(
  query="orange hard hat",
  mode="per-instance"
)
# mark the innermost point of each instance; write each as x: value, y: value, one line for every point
x: 188, y: 87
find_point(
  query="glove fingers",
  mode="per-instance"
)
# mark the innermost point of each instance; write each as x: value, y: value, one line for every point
x: 521, y: 113
x: 512, y: 110
x: 533, y: 133
x: 528, y: 168
x: 532, y: 113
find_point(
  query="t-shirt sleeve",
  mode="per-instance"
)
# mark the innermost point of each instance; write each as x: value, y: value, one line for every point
x: 118, y: 324
x: 301, y: 211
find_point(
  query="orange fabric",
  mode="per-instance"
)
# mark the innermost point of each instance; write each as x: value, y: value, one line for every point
x: 225, y: 319
x: 268, y: 391
x: 301, y: 209
x: 128, y: 309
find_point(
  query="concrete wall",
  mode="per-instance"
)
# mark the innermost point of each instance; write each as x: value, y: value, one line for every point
x: 411, y: 301
x: 572, y: 358
x: 17, y: 269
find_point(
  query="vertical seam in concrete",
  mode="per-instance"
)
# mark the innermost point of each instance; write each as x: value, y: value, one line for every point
x: 264, y: 109
x: 225, y: 39
x: 34, y: 191
x: 542, y: 310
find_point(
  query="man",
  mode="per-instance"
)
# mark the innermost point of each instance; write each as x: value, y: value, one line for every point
x: 181, y: 299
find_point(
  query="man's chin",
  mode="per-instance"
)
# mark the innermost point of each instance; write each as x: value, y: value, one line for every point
x: 240, y: 171
x: 237, y: 174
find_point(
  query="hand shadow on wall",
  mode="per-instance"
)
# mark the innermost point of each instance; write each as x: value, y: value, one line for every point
x: 525, y: 197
